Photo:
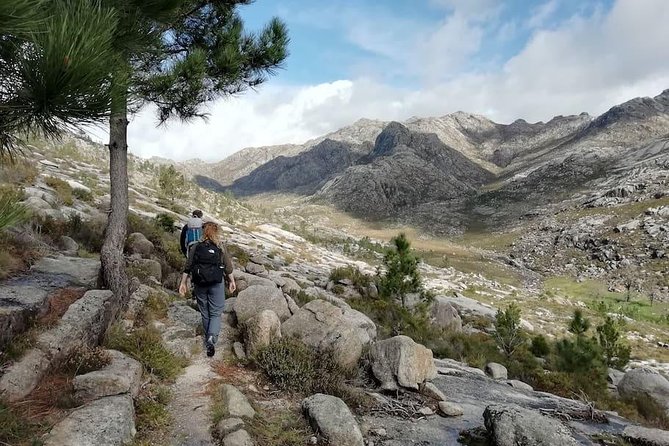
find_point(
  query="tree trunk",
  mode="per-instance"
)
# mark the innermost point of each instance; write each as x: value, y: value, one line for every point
x: 113, y: 261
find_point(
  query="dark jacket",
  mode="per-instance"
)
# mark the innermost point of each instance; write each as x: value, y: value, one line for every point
x: 182, y: 240
x: 226, y: 260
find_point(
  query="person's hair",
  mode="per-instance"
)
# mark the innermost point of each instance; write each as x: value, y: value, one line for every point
x: 197, y: 213
x: 210, y: 231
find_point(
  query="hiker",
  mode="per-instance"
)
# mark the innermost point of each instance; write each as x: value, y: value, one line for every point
x: 191, y: 233
x: 209, y: 264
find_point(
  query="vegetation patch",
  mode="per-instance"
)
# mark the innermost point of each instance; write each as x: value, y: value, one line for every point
x: 279, y: 428
x: 293, y: 366
x: 62, y: 188
x: 152, y: 416
x: 84, y: 359
x: 145, y: 345
x: 238, y: 253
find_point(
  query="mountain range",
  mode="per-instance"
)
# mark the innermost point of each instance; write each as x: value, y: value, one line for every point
x: 456, y: 171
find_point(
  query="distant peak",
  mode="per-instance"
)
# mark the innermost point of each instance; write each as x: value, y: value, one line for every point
x: 393, y: 135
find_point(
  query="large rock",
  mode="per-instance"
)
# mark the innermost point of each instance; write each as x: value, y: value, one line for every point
x: 122, y: 375
x: 329, y: 416
x: 250, y: 280
x: 399, y: 361
x: 84, y: 322
x: 18, y: 306
x: 645, y: 383
x: 77, y: 270
x: 22, y: 377
x: 255, y: 269
x: 139, y: 244
x: 260, y: 330
x: 496, y: 371
x: 70, y: 247
x: 145, y: 268
x: 182, y: 313
x: 290, y: 286
x: 235, y: 403
x: 444, y: 315
x: 324, y: 326
x: 257, y: 298
x: 227, y: 426
x: 644, y: 436
x: 510, y: 425
x: 108, y: 421
x: 471, y: 307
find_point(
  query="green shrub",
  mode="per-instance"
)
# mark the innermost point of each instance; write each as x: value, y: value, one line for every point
x: 359, y: 279
x: 581, y: 355
x: 301, y: 298
x: 151, y: 410
x: 279, y: 428
x: 14, y: 429
x: 579, y: 324
x: 508, y: 333
x: 401, y: 275
x: 20, y: 172
x: 540, y: 347
x: 83, y: 194
x: 165, y: 222
x: 291, y: 365
x: 145, y: 345
x: 12, y: 212
x: 238, y: 253
x: 617, y: 353
x: 62, y: 188
x: 84, y: 359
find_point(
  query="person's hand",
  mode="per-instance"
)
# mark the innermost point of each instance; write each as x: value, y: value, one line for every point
x: 183, y: 289
x: 233, y: 286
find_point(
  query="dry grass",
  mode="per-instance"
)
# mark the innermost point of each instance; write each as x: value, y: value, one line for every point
x: 59, y: 302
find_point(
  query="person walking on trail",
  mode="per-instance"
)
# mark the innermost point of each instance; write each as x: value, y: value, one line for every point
x: 191, y: 233
x: 210, y: 266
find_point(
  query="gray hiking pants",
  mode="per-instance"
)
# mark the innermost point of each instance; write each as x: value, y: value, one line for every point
x: 210, y: 301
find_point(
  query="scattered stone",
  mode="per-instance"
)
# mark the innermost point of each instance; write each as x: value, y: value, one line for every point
x: 644, y: 436
x: 236, y: 404
x: 426, y: 411
x: 430, y: 390
x: 519, y: 385
x: 122, y: 375
x: 227, y: 426
x: 238, y: 438
x: 614, y: 376
x: 238, y: 349
x: 329, y: 416
x: 510, y: 425
x: 70, y: 247
x: 261, y: 330
x: 255, y: 269
x: 642, y: 383
x: 322, y: 325
x: 399, y: 361
x: 78, y: 271
x: 471, y: 307
x: 496, y: 371
x: 108, y: 421
x: 292, y: 306
x: 455, y: 368
x: 450, y: 409
x: 257, y: 298
x: 137, y: 300
x: 380, y: 432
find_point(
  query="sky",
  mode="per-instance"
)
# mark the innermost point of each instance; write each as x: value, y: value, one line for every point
x: 395, y: 59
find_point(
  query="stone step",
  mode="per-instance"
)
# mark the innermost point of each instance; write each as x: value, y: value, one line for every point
x: 18, y: 306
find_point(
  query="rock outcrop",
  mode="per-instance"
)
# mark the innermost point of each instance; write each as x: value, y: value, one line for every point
x: 330, y: 417
x: 324, y: 326
x: 642, y: 383
x: 513, y: 426
x: 257, y: 298
x: 400, y: 362
x: 260, y: 330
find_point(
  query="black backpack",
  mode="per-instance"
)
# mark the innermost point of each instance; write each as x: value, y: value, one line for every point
x: 207, y: 268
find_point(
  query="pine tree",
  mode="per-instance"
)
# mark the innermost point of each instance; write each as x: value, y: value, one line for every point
x: 617, y: 354
x: 172, y: 183
x: 508, y: 333
x: 94, y: 59
x: 579, y: 324
x: 401, y: 275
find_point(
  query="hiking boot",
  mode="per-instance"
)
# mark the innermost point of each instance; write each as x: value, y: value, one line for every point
x: 211, y: 349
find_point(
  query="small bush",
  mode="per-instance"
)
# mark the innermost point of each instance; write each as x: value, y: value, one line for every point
x: 540, y: 347
x: 360, y: 280
x: 85, y: 359
x: 145, y: 345
x: 279, y: 428
x: 20, y: 173
x: 293, y: 366
x: 238, y: 253
x: 62, y: 188
x: 12, y: 212
x: 617, y: 353
x: 151, y: 408
x: 508, y: 333
x: 14, y: 429
x: 165, y: 222
x: 83, y: 194
x: 301, y: 298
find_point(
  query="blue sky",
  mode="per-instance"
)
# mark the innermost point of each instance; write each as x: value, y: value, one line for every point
x: 394, y: 59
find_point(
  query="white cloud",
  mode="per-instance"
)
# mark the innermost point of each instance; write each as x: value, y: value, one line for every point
x: 584, y: 64
x: 542, y: 13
